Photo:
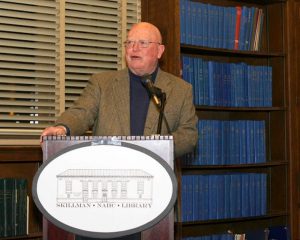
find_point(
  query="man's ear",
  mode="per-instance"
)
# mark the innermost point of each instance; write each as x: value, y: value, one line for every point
x: 161, y: 49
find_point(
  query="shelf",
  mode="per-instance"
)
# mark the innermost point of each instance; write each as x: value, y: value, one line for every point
x: 190, y: 49
x: 241, y: 109
x: 218, y: 221
x: 38, y: 235
x: 234, y: 225
x: 235, y: 166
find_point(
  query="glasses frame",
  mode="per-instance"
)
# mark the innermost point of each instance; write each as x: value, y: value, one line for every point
x: 140, y: 43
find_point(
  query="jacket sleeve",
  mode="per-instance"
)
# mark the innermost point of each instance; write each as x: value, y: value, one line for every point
x: 81, y: 116
x: 186, y: 134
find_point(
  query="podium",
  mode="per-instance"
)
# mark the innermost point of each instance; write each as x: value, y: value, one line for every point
x: 160, y: 145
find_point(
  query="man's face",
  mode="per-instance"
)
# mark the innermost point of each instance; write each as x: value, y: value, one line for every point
x: 143, y: 60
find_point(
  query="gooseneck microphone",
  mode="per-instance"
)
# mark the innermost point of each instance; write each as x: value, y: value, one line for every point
x: 153, y: 91
x: 159, y: 98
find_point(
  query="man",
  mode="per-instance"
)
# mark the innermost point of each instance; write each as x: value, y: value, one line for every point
x: 117, y: 102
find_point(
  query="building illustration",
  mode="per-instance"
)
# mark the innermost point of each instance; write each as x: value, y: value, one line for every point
x: 115, y: 186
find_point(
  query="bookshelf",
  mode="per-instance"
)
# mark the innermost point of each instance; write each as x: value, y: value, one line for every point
x: 272, y: 52
x: 23, y: 162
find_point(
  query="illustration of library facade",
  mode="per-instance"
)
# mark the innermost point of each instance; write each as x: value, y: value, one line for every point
x: 104, y: 185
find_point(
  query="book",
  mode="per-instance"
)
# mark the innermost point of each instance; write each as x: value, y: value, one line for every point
x: 14, y: 207
x: 237, y: 27
x: 279, y: 233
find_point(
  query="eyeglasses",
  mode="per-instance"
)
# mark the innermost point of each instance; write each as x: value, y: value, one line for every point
x: 140, y: 43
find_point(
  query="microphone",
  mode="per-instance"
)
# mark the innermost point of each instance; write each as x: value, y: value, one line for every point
x: 152, y: 90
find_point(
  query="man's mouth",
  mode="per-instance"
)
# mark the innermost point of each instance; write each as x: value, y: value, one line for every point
x: 135, y: 57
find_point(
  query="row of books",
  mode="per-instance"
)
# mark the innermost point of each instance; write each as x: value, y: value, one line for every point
x: 238, y: 27
x: 271, y: 233
x: 228, y: 84
x: 223, y: 142
x: 223, y: 196
x: 13, y: 207
x: 213, y: 237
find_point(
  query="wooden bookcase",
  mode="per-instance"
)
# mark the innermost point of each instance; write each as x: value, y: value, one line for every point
x: 281, y: 48
x: 273, y: 52
x: 23, y: 162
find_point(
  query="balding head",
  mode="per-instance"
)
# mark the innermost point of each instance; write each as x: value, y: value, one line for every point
x: 145, y: 50
x: 153, y: 30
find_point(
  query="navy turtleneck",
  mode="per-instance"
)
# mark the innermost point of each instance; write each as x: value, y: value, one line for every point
x: 139, y: 103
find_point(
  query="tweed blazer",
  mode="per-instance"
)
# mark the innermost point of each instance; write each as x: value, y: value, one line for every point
x: 104, y: 106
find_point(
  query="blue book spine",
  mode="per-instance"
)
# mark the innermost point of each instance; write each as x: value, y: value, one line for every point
x: 225, y: 27
x: 227, y: 197
x: 245, y: 195
x: 188, y: 22
x: 205, y: 67
x: 194, y: 22
x: 252, y: 194
x: 243, y: 28
x: 220, y: 196
x: 220, y: 18
x: 243, y: 143
x: 190, y: 190
x: 212, y: 197
x: 263, y: 194
x: 201, y: 82
x: 183, y: 198
x: 199, y: 25
x: 210, y: 25
x: 182, y: 21
x: 196, y: 201
x: 211, y: 82
x: 205, y: 24
x: 205, y: 197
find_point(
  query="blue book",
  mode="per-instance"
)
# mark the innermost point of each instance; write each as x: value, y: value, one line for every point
x: 205, y: 24
x: 211, y: 82
x: 184, y: 198
x: 210, y: 25
x: 201, y: 82
x: 194, y: 24
x: 232, y: 26
x: 195, y: 80
x: 188, y: 22
x: 249, y: 26
x: 220, y: 26
x: 269, y: 87
x: 196, y: 194
x: 243, y: 28
x: 190, y: 192
x: 227, y: 197
x: 250, y: 141
x: 205, y: 197
x: 263, y: 194
x: 257, y: 234
x: 220, y: 196
x: 182, y: 21
x: 235, y: 196
x: 279, y: 233
x: 213, y: 197
x: 205, y: 83
x: 245, y: 195
x: 243, y: 143
x: 226, y: 27
x: 199, y: 24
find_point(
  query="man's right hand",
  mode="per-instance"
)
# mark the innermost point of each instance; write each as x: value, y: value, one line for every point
x: 53, y: 130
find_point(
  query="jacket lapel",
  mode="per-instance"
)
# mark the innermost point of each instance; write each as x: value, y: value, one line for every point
x: 164, y: 83
x: 121, y: 102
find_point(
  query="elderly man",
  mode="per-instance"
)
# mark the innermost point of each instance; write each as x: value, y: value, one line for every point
x: 118, y: 103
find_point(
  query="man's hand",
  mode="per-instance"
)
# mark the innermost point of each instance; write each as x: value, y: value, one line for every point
x: 53, y: 130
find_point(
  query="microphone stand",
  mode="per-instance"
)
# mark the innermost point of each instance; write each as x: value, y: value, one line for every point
x: 162, y: 97
x: 159, y: 99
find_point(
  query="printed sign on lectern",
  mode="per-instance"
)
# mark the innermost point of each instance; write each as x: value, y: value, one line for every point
x: 105, y: 189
